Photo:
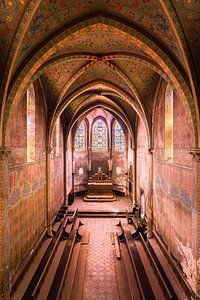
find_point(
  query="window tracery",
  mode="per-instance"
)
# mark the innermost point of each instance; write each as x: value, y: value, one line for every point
x: 99, y: 136
x: 80, y: 138
x: 119, y: 138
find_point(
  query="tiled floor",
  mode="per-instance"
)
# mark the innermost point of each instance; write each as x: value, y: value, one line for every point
x: 100, y: 275
x: 119, y: 205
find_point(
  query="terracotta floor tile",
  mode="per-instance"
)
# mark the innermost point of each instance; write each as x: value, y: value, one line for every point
x: 100, y: 275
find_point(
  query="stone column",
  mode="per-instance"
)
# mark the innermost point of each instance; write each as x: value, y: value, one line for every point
x: 49, y: 219
x: 196, y: 216
x: 89, y: 162
x: 4, y: 226
x: 150, y: 195
x: 110, y: 163
x: 134, y: 180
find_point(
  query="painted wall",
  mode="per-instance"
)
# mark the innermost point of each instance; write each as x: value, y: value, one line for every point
x: 173, y: 185
x: 80, y: 171
x: 69, y: 165
x: 119, y: 172
x: 27, y: 183
x: 57, y: 173
x: 142, y: 161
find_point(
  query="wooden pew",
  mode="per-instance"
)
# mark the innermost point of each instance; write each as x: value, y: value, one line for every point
x: 57, y: 284
x: 37, y: 278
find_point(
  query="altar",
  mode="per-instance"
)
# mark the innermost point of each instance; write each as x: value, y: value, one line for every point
x: 99, y: 188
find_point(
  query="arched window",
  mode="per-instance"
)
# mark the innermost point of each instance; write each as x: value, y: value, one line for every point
x: 80, y: 138
x: 30, y: 123
x: 57, y: 129
x: 169, y: 123
x: 119, y: 138
x: 99, y: 136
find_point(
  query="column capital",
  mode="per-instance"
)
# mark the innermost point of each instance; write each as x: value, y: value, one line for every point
x: 4, y: 152
x: 195, y: 152
x: 49, y: 150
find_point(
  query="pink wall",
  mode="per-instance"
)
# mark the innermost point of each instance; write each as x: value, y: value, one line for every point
x: 173, y: 184
x: 57, y: 174
x: 69, y: 165
x: 142, y: 160
x: 27, y: 183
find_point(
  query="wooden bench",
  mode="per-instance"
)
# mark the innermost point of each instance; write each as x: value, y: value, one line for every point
x: 36, y: 281
x: 58, y: 280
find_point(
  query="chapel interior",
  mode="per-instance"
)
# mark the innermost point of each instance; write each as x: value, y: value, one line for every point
x: 99, y: 149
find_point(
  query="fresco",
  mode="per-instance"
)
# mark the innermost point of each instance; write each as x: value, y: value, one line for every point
x: 142, y: 159
x: 99, y: 71
x: 10, y: 13
x: 52, y: 15
x: 55, y: 78
x: 56, y: 175
x: 27, y: 182
x: 27, y: 211
x: 144, y: 79
x: 189, y: 14
x: 173, y: 185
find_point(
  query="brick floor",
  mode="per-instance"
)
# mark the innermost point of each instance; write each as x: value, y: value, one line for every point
x: 100, y: 274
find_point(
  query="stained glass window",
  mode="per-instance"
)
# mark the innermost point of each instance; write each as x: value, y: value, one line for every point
x: 57, y: 136
x: 80, y: 138
x: 169, y: 123
x: 30, y: 123
x: 99, y: 136
x: 119, y: 137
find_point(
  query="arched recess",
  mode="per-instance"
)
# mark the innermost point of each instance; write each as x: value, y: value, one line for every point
x: 88, y: 90
x: 22, y: 78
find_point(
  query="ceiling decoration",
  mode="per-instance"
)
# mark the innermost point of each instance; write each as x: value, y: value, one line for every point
x: 144, y: 78
x: 52, y: 15
x: 10, y: 13
x: 189, y: 15
x: 99, y: 71
x: 56, y: 77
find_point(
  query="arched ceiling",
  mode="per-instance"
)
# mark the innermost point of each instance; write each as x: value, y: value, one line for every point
x: 127, y: 44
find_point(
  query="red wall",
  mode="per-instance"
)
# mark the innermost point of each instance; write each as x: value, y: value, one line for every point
x: 142, y: 160
x: 173, y: 184
x: 27, y: 183
x: 57, y: 174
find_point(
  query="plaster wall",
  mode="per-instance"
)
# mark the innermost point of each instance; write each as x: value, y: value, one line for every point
x: 142, y: 161
x: 27, y: 183
x: 57, y: 173
x: 172, y: 186
x: 81, y: 171
x: 69, y: 165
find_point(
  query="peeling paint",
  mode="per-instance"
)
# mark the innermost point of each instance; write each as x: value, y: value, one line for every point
x: 188, y: 263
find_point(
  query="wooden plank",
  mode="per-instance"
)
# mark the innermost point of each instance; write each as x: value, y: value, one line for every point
x: 124, y: 291
x: 77, y: 291
x: 117, y: 247
x: 58, y: 280
x: 143, y: 281
x: 69, y: 280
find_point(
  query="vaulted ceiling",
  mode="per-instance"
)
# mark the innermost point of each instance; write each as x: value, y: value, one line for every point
x: 111, y: 52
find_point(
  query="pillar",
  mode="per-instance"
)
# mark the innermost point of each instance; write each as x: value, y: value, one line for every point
x: 196, y: 215
x: 89, y: 162
x: 134, y: 179
x: 150, y: 195
x: 49, y: 219
x: 4, y: 226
